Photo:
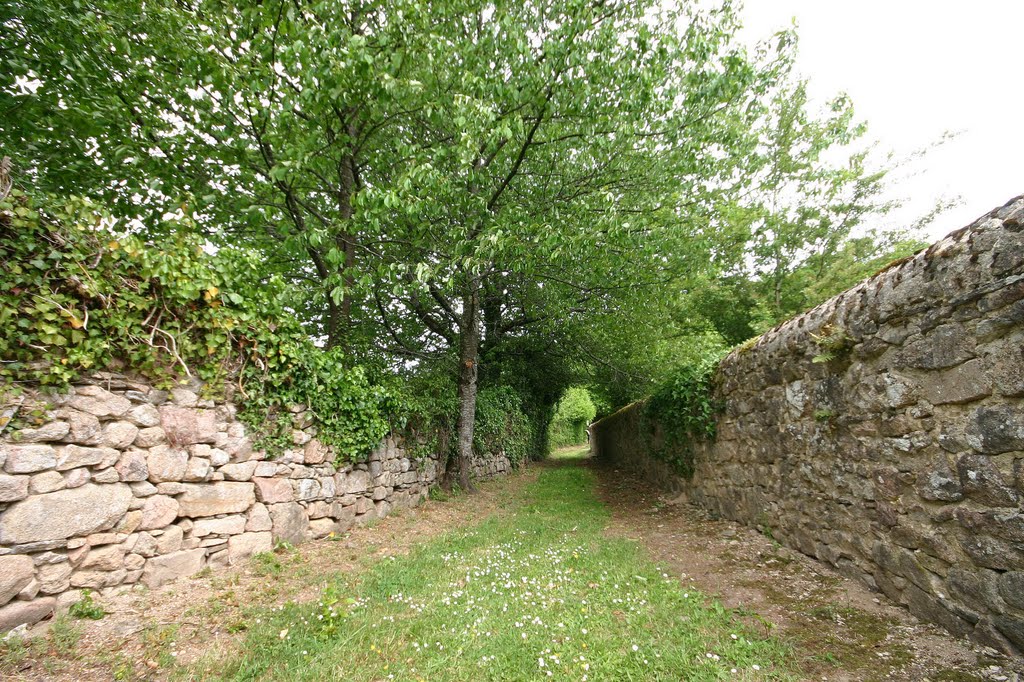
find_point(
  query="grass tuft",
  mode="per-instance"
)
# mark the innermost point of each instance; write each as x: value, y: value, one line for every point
x: 86, y: 607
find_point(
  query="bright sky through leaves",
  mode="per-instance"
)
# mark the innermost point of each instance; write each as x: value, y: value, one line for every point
x: 917, y: 68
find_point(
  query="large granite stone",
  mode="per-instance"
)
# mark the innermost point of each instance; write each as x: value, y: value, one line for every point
x: 105, y: 558
x: 307, y: 489
x: 198, y: 469
x: 315, y: 452
x: 28, y: 459
x: 26, y: 612
x: 1007, y: 366
x: 13, y: 488
x: 273, y: 490
x: 242, y: 471
x: 216, y: 498
x: 54, y: 578
x: 996, y: 429
x: 226, y: 525
x: 45, y: 433
x: 144, y: 416
x: 47, y: 482
x: 163, y: 569
x: 159, y: 511
x: 1012, y: 627
x: 356, y: 482
x: 74, y: 456
x: 321, y: 528
x: 16, y: 572
x: 166, y: 464
x: 1011, y: 587
x: 65, y: 514
x: 150, y: 436
x: 188, y: 426
x: 962, y: 384
x: 259, y: 518
x: 133, y: 466
x: 118, y: 435
x: 289, y: 522
x: 84, y: 428
x: 938, y: 482
x: 241, y: 547
x: 99, y: 402
x: 946, y: 346
x: 982, y: 482
x: 170, y: 540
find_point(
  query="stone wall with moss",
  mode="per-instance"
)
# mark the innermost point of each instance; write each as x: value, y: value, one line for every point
x: 883, y: 433
x: 114, y: 482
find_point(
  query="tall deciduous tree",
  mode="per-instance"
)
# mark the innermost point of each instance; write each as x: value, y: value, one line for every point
x: 587, y: 146
x: 457, y: 179
x: 265, y: 119
x: 812, y: 188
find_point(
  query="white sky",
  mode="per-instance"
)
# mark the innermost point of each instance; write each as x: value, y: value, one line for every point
x: 917, y: 68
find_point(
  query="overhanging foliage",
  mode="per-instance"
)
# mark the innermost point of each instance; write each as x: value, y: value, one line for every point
x: 524, y: 195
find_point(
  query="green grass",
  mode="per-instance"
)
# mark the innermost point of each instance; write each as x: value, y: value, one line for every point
x: 50, y: 652
x: 267, y: 563
x: 536, y: 592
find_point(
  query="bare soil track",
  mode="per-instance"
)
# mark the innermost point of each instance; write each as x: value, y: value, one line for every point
x: 839, y: 630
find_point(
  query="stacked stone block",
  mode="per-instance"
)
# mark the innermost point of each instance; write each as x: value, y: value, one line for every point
x: 122, y: 483
x: 901, y: 460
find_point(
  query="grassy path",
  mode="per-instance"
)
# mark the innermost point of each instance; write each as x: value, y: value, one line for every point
x: 567, y: 570
x: 535, y: 591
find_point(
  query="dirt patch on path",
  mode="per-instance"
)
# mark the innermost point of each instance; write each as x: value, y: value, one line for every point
x: 150, y: 634
x: 838, y: 629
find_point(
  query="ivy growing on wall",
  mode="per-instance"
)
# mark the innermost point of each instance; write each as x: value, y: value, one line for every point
x: 684, y: 407
x: 430, y: 408
x: 76, y: 297
x: 501, y: 424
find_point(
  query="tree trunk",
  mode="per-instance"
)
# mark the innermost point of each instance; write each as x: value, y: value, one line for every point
x: 341, y: 317
x: 331, y: 328
x: 490, y: 309
x: 469, y: 346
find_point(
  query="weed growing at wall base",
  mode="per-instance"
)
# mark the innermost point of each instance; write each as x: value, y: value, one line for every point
x: 540, y: 593
x: 86, y: 607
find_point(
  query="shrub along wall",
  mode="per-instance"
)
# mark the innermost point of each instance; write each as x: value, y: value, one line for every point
x: 120, y: 483
x: 881, y: 432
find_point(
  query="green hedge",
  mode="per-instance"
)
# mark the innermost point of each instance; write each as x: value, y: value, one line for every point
x: 501, y: 424
x: 684, y: 407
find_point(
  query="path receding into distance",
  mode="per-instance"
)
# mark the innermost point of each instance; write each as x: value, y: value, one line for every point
x: 566, y: 570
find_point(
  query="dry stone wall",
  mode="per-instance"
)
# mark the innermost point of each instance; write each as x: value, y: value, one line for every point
x: 901, y: 461
x: 122, y: 483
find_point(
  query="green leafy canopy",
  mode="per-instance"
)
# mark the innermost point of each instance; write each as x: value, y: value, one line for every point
x: 527, y: 195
